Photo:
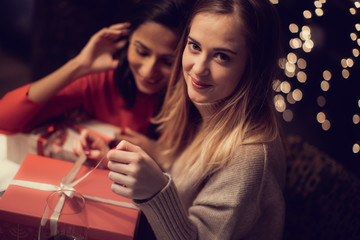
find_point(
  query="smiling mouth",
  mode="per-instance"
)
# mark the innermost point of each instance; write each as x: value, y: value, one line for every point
x: 198, y: 84
x: 148, y: 81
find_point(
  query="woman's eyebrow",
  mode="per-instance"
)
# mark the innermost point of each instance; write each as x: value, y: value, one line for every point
x: 193, y: 40
x: 141, y: 45
x: 166, y: 55
x: 216, y: 49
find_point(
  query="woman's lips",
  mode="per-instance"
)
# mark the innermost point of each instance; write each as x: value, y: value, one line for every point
x: 198, y: 84
x: 148, y: 81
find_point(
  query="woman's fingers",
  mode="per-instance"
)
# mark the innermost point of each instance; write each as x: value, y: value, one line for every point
x: 122, y: 190
x: 113, y: 34
x: 115, y: 31
x: 121, y: 179
x: 120, y: 44
x: 127, y: 146
x: 120, y: 26
x: 77, y: 147
x: 123, y: 157
x: 84, y: 138
x: 94, y: 154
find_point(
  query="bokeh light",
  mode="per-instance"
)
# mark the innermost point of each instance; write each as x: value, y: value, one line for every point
x: 321, y: 74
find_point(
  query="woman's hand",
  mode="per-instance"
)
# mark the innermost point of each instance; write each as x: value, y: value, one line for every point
x: 147, y: 144
x: 134, y: 173
x: 92, y: 145
x: 98, y: 54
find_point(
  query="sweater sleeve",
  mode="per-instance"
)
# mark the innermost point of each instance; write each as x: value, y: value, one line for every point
x: 17, y: 110
x: 230, y: 204
x: 20, y: 114
x: 167, y: 215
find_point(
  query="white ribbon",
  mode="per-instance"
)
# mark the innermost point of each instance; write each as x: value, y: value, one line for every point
x: 67, y: 190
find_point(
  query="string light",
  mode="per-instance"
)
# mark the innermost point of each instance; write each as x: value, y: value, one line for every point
x: 276, y: 85
x: 352, y: 11
x: 327, y: 75
x: 325, y: 86
x: 345, y: 73
x: 306, y: 37
x: 280, y: 104
x: 301, y: 76
x: 302, y: 63
x: 356, y: 148
x: 321, y: 117
x: 356, y: 119
x: 326, y: 125
x: 293, y: 28
x: 307, y: 14
x: 297, y: 95
x: 318, y: 4
x: 288, y: 115
x: 355, y: 52
x: 353, y: 36
x: 319, y: 12
x: 290, y: 99
x: 321, y: 101
x: 357, y: 27
x: 285, y: 87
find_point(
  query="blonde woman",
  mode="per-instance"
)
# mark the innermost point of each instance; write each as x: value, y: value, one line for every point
x: 221, y: 170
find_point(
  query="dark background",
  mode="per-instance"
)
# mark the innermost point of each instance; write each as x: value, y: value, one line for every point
x: 38, y: 36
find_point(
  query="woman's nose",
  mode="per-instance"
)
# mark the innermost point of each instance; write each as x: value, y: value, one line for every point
x: 148, y: 68
x: 201, y: 66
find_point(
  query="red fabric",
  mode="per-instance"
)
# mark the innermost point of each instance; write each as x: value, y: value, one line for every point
x: 96, y: 93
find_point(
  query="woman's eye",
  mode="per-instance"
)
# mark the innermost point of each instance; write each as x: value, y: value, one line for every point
x: 141, y: 52
x: 168, y: 62
x: 222, y: 57
x: 193, y: 46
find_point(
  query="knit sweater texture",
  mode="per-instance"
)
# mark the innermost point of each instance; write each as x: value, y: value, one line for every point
x: 243, y: 200
x: 95, y: 93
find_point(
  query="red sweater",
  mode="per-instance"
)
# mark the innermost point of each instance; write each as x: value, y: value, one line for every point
x: 96, y: 93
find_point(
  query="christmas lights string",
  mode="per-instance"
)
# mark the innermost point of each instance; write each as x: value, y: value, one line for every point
x: 305, y: 36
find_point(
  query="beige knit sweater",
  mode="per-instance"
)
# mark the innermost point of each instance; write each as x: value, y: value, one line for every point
x: 241, y: 201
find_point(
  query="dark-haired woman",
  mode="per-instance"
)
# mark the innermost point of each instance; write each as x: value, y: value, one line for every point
x: 124, y: 91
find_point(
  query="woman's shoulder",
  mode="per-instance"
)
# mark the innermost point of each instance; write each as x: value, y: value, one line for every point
x: 261, y: 159
x: 260, y: 151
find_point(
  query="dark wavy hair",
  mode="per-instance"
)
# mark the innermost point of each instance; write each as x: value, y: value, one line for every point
x: 169, y: 13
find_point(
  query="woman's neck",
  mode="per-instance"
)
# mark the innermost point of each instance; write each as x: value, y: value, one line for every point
x: 207, y: 110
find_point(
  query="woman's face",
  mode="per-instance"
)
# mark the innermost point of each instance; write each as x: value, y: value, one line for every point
x: 150, y: 56
x: 214, y: 57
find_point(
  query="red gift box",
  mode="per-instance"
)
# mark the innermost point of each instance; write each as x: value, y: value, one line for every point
x: 21, y: 208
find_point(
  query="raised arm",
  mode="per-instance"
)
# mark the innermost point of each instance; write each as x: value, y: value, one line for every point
x: 96, y: 56
x: 23, y: 108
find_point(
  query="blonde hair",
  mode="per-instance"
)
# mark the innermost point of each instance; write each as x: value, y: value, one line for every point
x: 245, y: 117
